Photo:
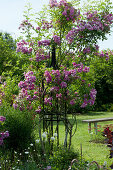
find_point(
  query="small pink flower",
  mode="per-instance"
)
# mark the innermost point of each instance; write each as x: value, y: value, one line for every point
x: 67, y: 19
x: 37, y: 28
x: 38, y: 110
x: 48, y: 167
x: 2, y: 118
x: 56, y: 39
x: 45, y: 102
x: 72, y: 102
x: 58, y: 95
x: 6, y: 134
x: 15, y: 105
x: 35, y: 92
x: 63, y: 84
x: 76, y: 92
x: 50, y: 103
x: 89, y: 85
x: 83, y: 81
x: 34, y: 97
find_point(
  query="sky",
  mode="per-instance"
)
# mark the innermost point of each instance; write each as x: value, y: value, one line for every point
x: 11, y: 15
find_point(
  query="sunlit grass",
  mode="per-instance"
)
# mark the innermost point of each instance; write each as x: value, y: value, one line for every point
x: 91, y: 151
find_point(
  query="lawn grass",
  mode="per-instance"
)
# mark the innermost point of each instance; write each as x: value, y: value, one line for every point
x: 91, y: 151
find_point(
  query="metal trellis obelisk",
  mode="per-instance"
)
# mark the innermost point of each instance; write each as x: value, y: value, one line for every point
x: 51, y: 118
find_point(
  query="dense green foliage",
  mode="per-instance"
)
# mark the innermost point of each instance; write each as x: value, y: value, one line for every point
x: 102, y: 73
x: 20, y: 126
x: 11, y: 63
x: 7, y: 52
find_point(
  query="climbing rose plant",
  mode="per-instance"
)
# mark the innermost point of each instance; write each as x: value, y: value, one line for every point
x: 60, y: 54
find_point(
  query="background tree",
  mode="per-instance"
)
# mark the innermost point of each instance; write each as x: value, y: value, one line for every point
x: 102, y: 72
x: 7, y: 52
x: 11, y: 63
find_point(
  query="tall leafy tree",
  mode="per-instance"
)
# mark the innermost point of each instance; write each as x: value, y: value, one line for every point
x: 7, y: 52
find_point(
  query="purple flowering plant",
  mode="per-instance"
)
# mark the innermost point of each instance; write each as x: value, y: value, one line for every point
x: 60, y: 58
x: 5, y: 134
x: 58, y: 83
x: 79, y: 30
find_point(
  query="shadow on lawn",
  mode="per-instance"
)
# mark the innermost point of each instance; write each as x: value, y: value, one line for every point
x: 81, y: 116
x: 93, y: 113
x: 90, y: 115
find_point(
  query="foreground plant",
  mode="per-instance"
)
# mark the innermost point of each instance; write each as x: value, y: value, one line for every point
x: 5, y: 134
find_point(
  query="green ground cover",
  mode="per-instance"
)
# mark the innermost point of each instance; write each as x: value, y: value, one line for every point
x: 92, y: 150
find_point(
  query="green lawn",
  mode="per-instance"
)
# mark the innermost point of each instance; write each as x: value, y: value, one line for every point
x: 91, y: 151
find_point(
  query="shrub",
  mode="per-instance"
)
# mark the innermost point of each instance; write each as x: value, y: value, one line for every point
x: 20, y: 126
x: 62, y: 158
x: 9, y: 89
